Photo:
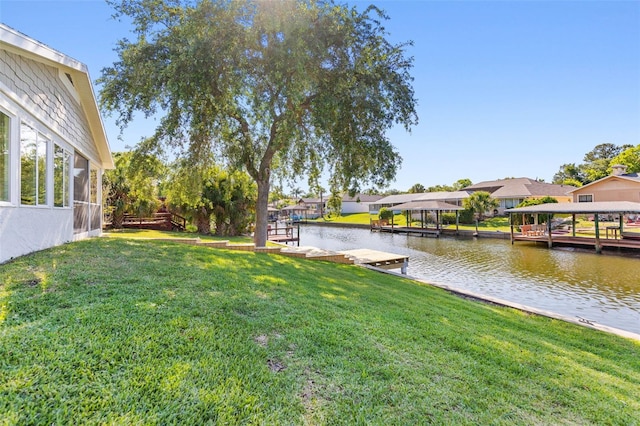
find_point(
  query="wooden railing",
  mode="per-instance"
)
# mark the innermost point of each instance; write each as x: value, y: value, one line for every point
x: 160, y: 221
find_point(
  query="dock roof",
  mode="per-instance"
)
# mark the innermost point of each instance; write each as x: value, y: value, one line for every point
x: 427, y: 205
x: 594, y: 207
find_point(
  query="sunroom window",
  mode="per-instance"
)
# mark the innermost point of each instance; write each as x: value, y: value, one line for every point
x: 4, y: 157
x: 61, y: 181
x: 33, y: 167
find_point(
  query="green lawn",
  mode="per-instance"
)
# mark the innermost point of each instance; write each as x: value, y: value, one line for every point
x: 149, y: 233
x: 122, y: 331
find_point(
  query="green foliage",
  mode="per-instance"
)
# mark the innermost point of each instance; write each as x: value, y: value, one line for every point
x: 334, y: 204
x: 417, y: 189
x: 597, y: 164
x: 227, y: 197
x: 461, y: 184
x: 293, y: 87
x: 480, y: 202
x: 630, y: 157
x: 542, y: 218
x: 464, y: 216
x: 132, y: 187
x: 385, y: 214
x: 440, y: 188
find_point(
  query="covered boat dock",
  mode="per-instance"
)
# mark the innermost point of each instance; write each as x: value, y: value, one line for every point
x: 423, y: 207
x: 619, y: 239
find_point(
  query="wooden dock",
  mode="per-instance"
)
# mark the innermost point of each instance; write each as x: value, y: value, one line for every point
x: 409, y: 230
x: 379, y: 259
x: 284, y: 234
x: 571, y: 241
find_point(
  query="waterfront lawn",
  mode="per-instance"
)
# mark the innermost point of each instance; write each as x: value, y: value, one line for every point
x: 151, y: 233
x: 115, y: 331
x: 360, y: 219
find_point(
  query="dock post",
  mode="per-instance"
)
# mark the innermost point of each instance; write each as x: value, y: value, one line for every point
x: 550, y: 238
x: 405, y: 263
x: 597, y: 225
x: 511, y: 226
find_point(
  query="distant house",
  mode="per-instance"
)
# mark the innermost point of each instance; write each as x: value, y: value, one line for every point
x: 389, y: 202
x: 619, y: 186
x: 454, y: 197
x: 511, y: 192
x: 314, y: 207
x: 359, y: 203
x: 53, y: 148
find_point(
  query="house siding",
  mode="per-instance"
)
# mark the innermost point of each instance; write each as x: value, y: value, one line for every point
x: 28, y: 229
x: 39, y: 90
x: 36, y: 92
x: 611, y: 189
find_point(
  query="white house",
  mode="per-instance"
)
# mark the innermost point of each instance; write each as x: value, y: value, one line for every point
x: 53, y: 148
x: 359, y: 203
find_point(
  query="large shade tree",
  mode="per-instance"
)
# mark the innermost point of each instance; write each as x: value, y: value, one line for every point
x: 290, y: 87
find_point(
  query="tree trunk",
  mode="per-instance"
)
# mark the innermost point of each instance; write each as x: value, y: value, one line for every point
x: 262, y: 217
x: 117, y: 218
x: 203, y: 221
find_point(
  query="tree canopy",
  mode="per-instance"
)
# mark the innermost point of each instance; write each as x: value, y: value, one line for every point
x: 630, y: 157
x: 597, y: 164
x: 288, y: 87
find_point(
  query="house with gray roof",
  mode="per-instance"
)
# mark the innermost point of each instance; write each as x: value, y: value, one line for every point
x: 511, y: 192
x: 53, y: 148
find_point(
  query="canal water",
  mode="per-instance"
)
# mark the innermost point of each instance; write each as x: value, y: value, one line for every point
x: 601, y: 288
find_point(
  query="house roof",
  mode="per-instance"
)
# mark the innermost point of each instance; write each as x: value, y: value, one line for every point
x: 455, y: 195
x: 311, y: 200
x: 295, y: 207
x: 595, y: 207
x: 362, y: 198
x: 520, y: 188
x: 397, y: 199
x: 634, y: 177
x: 16, y: 42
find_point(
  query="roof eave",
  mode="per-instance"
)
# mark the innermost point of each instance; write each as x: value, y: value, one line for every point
x: 17, y: 42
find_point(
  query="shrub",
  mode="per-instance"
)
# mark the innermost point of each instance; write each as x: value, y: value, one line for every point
x: 385, y: 214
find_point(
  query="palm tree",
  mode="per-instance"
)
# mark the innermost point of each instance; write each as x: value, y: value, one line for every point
x: 480, y: 202
x: 417, y: 189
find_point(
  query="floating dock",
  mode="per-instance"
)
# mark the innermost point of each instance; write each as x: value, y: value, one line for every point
x: 379, y: 259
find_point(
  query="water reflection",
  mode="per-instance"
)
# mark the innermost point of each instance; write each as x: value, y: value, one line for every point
x: 601, y: 288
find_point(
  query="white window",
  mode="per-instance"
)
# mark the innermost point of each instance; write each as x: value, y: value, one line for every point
x: 96, y: 211
x: 80, y: 194
x: 61, y: 181
x: 585, y: 198
x: 33, y: 166
x: 4, y: 156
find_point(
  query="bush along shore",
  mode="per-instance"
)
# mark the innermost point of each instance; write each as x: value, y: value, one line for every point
x: 123, y: 331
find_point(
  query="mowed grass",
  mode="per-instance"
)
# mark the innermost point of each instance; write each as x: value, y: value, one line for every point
x: 116, y: 331
x: 155, y: 234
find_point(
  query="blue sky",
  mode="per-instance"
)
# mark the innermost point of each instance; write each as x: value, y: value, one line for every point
x: 504, y: 88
